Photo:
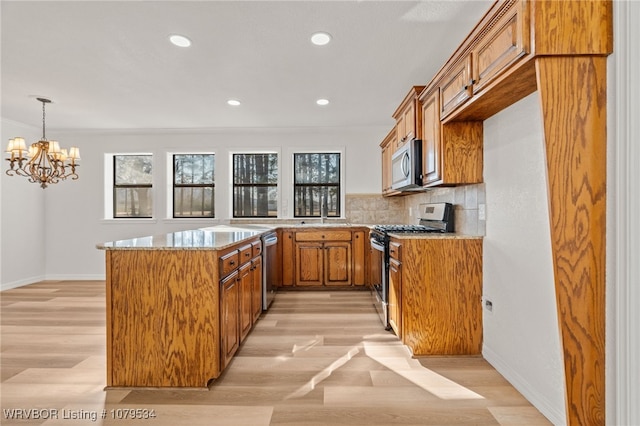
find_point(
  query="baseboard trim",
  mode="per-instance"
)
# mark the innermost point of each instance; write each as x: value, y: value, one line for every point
x: 33, y: 280
x: 518, y: 382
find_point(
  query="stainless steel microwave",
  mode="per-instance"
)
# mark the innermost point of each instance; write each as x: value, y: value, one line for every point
x: 406, y: 167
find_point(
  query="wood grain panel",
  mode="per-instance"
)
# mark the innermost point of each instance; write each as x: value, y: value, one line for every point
x: 462, y: 149
x: 337, y: 263
x: 572, y: 27
x: 309, y: 264
x: 164, y: 321
x: 360, y: 264
x: 441, y: 296
x: 573, y: 97
x: 288, y: 259
x: 324, y: 235
x: 506, y: 40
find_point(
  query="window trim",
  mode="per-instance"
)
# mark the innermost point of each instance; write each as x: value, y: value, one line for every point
x: 232, y: 183
x: 341, y: 185
x: 111, y: 159
x: 171, y: 183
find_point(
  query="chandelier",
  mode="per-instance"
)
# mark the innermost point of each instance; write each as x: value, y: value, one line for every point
x: 44, y: 162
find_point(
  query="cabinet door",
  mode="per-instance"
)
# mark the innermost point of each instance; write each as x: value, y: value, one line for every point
x: 309, y: 265
x: 229, y: 329
x: 337, y: 263
x: 409, y: 119
x: 456, y: 86
x: 359, y: 250
x: 288, y: 259
x: 246, y: 314
x: 256, y: 293
x: 395, y: 289
x: 431, y: 142
x: 387, y: 146
x: 505, y: 41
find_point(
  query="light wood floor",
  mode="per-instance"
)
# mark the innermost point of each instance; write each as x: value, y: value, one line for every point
x: 316, y: 358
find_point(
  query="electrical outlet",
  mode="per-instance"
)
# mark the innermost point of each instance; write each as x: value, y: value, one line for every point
x: 482, y: 212
x: 488, y: 304
x: 410, y: 212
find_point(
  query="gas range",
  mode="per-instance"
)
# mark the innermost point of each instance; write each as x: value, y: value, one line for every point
x: 436, y: 217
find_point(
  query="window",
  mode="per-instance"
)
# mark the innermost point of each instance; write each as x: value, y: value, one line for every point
x: 132, y: 184
x: 316, y: 184
x: 193, y: 185
x: 255, y: 185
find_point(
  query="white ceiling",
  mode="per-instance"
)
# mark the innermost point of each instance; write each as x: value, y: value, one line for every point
x: 109, y: 64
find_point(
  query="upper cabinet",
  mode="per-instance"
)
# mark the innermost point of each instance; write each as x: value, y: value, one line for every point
x: 388, y: 147
x: 431, y: 145
x: 499, y: 43
x: 451, y: 152
x: 455, y: 88
x: 502, y: 42
x: 408, y: 118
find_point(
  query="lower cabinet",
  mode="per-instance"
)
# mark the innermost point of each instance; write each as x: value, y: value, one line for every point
x: 240, y: 297
x: 395, y: 289
x: 329, y: 257
x: 229, y: 318
x: 440, y: 295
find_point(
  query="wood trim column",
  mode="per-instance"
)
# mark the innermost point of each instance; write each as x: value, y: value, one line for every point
x: 573, y: 99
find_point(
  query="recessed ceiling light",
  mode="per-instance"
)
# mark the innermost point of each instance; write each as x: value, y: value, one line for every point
x: 320, y: 38
x: 233, y: 102
x: 179, y: 40
x: 322, y: 102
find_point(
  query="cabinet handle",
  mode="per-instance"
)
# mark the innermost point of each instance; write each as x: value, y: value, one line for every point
x: 471, y: 82
x: 247, y: 254
x: 232, y: 263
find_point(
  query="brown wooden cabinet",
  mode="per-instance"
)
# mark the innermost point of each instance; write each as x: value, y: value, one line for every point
x: 388, y: 148
x: 439, y: 295
x: 360, y: 257
x: 395, y: 288
x: 288, y: 258
x: 502, y: 42
x: 323, y: 258
x: 245, y: 282
x: 452, y: 153
x: 408, y: 118
x: 256, y: 292
x: 455, y: 86
x: 431, y: 141
x: 229, y: 318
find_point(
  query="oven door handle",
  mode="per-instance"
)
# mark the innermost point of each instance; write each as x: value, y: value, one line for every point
x: 376, y: 245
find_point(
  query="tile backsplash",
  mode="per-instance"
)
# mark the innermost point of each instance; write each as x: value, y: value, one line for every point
x: 375, y: 209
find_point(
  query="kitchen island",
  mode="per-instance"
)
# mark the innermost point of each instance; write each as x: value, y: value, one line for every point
x: 179, y: 304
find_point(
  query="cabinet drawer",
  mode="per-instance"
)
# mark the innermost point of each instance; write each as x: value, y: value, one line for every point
x: 395, y: 250
x: 323, y: 236
x: 246, y: 253
x: 257, y: 248
x: 229, y: 262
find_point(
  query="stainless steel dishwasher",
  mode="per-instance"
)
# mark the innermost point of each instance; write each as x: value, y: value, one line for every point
x: 269, y: 269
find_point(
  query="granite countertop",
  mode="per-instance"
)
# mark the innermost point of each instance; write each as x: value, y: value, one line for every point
x: 434, y: 236
x: 211, y: 238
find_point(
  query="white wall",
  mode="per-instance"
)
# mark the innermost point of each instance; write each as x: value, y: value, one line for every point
x: 521, y: 335
x: 74, y: 215
x: 21, y: 220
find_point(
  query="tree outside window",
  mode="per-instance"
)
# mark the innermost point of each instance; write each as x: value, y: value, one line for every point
x: 255, y: 185
x: 316, y: 184
x: 193, y: 185
x: 132, y: 186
